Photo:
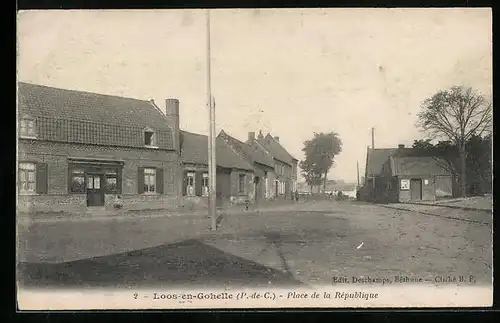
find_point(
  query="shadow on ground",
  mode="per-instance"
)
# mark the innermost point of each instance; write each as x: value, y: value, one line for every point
x: 185, y: 263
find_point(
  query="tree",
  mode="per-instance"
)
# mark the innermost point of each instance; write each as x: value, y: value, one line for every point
x: 456, y: 114
x: 311, y: 175
x: 478, y: 160
x: 320, y: 152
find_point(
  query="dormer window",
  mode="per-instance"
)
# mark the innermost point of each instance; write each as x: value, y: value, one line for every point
x: 149, y: 138
x: 27, y: 127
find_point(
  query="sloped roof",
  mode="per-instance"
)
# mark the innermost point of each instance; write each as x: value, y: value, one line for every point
x: 276, y: 149
x: 194, y: 150
x: 40, y: 100
x: 375, y: 160
x: 84, y: 117
x: 250, y: 151
x: 419, y: 165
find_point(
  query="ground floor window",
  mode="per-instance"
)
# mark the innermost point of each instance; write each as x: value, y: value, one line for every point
x: 204, y: 184
x: 241, y: 184
x: 266, y: 187
x: 111, y: 176
x: 149, y: 180
x: 190, y: 182
x: 105, y: 178
x: 77, y: 181
x: 27, y: 177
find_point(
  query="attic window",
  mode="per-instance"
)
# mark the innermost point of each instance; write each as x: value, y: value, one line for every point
x: 149, y: 138
x: 27, y: 127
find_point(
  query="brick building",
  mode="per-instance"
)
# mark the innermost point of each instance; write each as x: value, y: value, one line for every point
x: 260, y: 159
x: 234, y: 178
x: 285, y: 167
x: 86, y: 152
x: 405, y: 174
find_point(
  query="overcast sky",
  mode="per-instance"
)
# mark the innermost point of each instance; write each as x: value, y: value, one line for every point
x: 290, y: 72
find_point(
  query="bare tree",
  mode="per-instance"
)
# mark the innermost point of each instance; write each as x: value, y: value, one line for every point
x: 456, y: 114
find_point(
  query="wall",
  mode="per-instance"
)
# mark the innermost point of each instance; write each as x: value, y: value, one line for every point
x: 226, y: 189
x: 444, y: 186
x: 55, y: 155
x: 236, y: 196
x: 428, y: 190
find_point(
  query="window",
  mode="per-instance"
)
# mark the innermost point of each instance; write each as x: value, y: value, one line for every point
x: 149, y: 138
x: 190, y: 184
x: 204, y: 184
x: 27, y: 128
x: 149, y: 180
x: 77, y: 183
x: 27, y: 177
x: 111, y: 180
x: 266, y: 187
x: 241, y: 184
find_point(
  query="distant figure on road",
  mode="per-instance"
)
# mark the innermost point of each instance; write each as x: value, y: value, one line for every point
x: 296, y: 196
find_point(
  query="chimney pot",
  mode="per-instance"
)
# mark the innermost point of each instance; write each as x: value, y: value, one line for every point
x: 172, y: 113
x: 401, y: 146
x: 251, y: 136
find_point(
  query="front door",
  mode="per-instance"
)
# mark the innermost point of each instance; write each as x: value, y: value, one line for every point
x: 95, y: 190
x: 416, y: 189
x: 257, y: 188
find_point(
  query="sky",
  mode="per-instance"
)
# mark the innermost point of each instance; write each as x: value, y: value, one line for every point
x: 290, y: 72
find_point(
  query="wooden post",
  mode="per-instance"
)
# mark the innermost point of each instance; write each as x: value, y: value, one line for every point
x: 212, y: 210
x: 357, y: 169
x: 373, y: 175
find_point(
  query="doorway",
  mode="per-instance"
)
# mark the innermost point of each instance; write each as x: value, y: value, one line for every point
x: 95, y: 190
x: 257, y: 189
x: 416, y: 189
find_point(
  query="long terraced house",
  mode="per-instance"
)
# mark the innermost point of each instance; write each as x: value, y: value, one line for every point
x: 82, y: 152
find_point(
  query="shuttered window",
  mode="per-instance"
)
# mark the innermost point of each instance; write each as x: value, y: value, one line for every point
x: 190, y: 182
x: 27, y: 177
x: 32, y: 178
x: 149, y: 180
x: 205, y: 184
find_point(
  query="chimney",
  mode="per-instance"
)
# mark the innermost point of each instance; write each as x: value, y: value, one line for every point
x: 172, y: 112
x: 251, y: 136
x: 261, y: 136
x: 277, y: 138
x: 401, y: 146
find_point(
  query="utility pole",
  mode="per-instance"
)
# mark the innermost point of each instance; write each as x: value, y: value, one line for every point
x: 373, y: 175
x: 357, y: 169
x: 212, y: 210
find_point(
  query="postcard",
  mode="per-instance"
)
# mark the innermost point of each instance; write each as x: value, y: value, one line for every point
x: 254, y: 158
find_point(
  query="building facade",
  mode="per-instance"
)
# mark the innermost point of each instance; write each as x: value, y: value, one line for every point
x: 260, y: 159
x: 284, y: 182
x: 234, y: 178
x: 84, y: 152
x: 405, y: 175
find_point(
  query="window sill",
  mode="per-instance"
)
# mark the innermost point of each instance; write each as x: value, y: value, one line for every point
x: 27, y: 137
x: 152, y: 147
x: 150, y: 193
x: 27, y: 193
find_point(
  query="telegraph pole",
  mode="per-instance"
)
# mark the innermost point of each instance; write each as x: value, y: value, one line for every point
x: 357, y: 169
x: 212, y: 210
x: 373, y: 175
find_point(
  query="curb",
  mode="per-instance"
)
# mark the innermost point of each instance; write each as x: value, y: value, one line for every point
x: 435, y: 215
x: 465, y: 208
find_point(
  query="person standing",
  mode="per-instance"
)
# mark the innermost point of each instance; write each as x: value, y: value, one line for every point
x: 297, y: 196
